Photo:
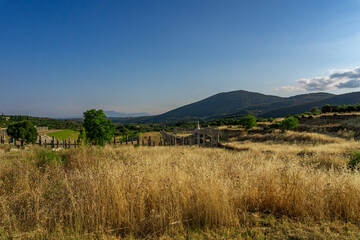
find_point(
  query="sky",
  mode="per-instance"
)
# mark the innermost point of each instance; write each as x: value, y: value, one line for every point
x: 61, y: 58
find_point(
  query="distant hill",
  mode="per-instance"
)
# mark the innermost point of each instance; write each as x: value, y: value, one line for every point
x: 221, y: 103
x: 240, y: 103
x: 261, y: 109
x: 113, y: 114
x: 230, y: 104
x: 348, y: 98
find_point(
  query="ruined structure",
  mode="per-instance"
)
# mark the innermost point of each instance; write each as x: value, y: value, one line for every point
x: 206, y: 137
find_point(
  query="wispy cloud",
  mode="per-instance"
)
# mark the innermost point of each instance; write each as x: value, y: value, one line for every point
x: 336, y: 79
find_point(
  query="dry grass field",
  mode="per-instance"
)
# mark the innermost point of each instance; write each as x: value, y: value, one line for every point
x: 285, y: 188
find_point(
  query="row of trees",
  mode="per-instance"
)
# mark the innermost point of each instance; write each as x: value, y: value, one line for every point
x: 98, y: 130
x: 340, y: 108
x: 6, y: 121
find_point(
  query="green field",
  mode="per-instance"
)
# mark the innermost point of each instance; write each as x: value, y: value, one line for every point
x: 64, y: 134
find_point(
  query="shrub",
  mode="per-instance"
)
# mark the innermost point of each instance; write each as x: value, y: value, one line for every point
x: 248, y: 122
x: 315, y: 111
x: 354, y: 162
x: 289, y: 123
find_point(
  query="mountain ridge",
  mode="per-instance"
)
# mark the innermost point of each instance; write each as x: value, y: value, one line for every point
x: 230, y: 104
x: 240, y: 103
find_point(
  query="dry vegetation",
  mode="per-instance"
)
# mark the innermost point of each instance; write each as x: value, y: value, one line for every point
x: 290, y: 137
x: 268, y: 190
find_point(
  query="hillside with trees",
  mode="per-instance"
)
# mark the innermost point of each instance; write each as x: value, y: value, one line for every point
x: 229, y: 104
x: 343, y: 99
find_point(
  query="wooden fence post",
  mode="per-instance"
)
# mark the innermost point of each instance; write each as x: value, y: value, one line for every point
x: 149, y: 141
x: 143, y: 142
x: 75, y: 144
x: 39, y: 140
x: 154, y: 144
x: 57, y: 143
x: 53, y: 142
x: 69, y: 143
x: 212, y: 141
x: 198, y: 138
x: 2, y: 140
x: 204, y: 140
x: 65, y: 144
x: 138, y: 140
x: 45, y: 144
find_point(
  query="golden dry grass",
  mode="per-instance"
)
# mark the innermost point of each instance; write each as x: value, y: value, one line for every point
x: 155, y: 137
x: 290, y: 137
x: 269, y: 191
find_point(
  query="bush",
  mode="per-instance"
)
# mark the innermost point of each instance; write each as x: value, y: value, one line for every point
x: 354, y: 162
x: 315, y: 111
x: 289, y: 123
x: 248, y: 122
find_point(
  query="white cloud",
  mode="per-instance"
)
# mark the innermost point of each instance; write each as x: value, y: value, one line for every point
x: 349, y: 78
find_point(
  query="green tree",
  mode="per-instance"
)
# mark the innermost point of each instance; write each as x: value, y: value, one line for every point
x: 315, y: 111
x: 23, y: 131
x: 98, y: 129
x: 248, y: 122
x: 289, y: 123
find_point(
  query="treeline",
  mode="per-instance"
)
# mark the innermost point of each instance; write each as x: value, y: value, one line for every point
x: 6, y: 121
x: 133, y: 129
x: 340, y: 108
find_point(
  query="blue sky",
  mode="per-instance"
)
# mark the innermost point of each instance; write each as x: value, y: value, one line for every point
x: 60, y: 58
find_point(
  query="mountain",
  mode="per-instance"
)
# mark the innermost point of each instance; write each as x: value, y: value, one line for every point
x: 241, y: 103
x: 221, y: 103
x: 259, y: 110
x: 347, y: 99
x: 230, y: 104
